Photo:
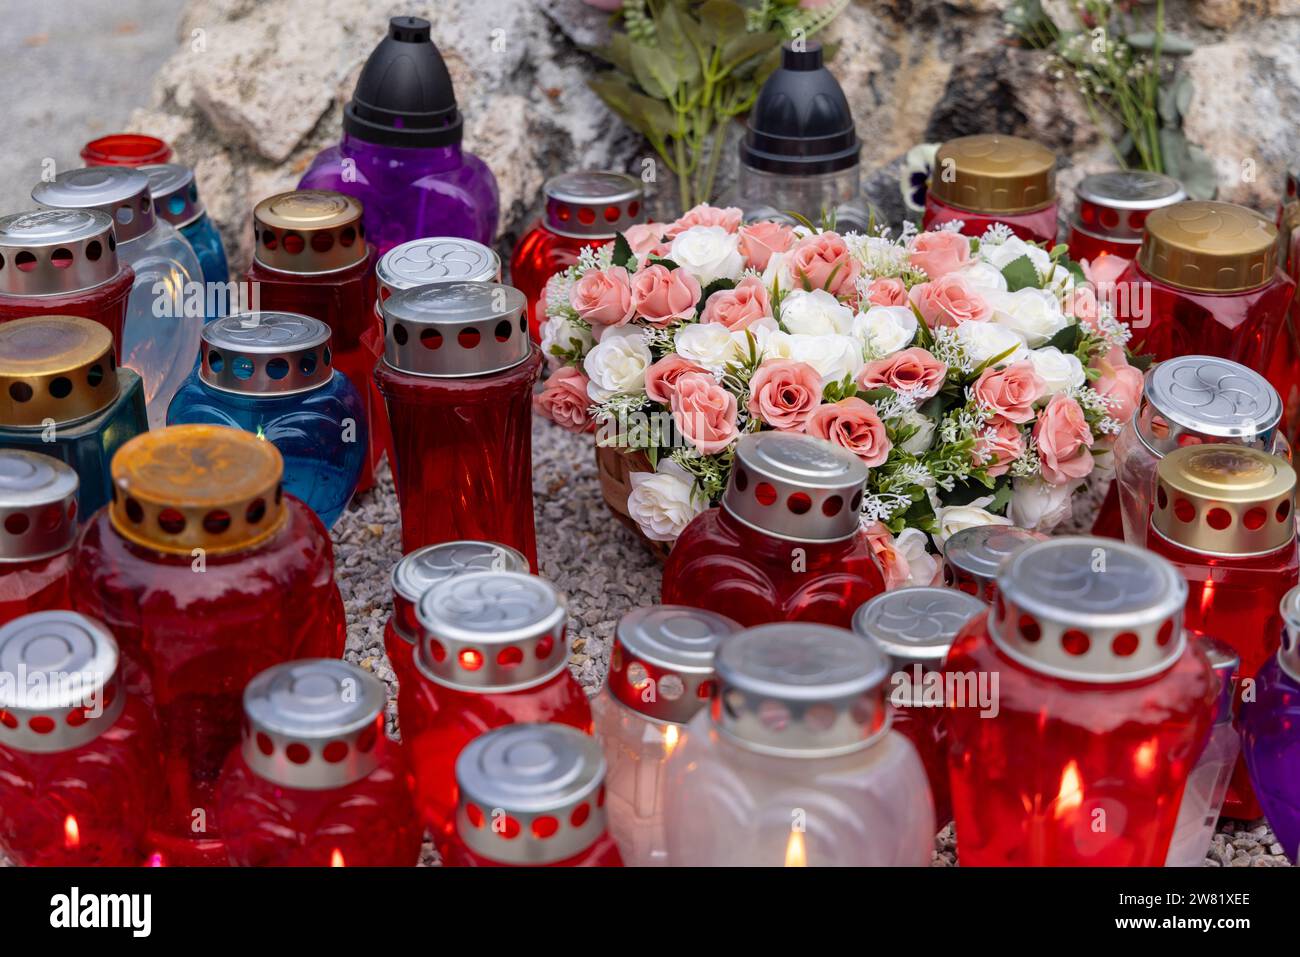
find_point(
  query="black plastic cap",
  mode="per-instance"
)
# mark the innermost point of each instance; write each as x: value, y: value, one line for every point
x: 801, y: 123
x: 404, y: 95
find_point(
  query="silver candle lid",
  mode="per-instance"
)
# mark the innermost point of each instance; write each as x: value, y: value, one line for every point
x: 38, y: 506
x: 59, y: 686
x: 1225, y: 661
x: 1209, y: 399
x: 175, y: 193
x: 313, y: 724
x: 492, y: 631
x: 1288, y: 655
x: 593, y: 204
x: 1090, y: 609
x: 916, y: 625
x: 800, y: 690
x: 121, y: 192
x: 435, y: 259
x: 420, y: 570
x: 1114, y: 205
x: 795, y: 487
x: 530, y: 794
x: 51, y: 252
x: 266, y: 353
x: 456, y: 329
x: 972, y: 556
x: 661, y: 665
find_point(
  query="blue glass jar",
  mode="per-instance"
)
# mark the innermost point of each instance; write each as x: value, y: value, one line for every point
x: 272, y: 374
x: 176, y: 199
x: 62, y: 394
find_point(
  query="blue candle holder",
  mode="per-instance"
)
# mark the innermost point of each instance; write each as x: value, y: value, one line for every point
x: 272, y: 374
x: 176, y: 199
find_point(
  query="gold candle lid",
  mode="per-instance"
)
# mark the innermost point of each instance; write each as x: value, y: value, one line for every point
x: 197, y: 486
x: 308, y: 231
x: 54, y: 368
x: 1225, y: 499
x: 1206, y: 246
x: 992, y: 173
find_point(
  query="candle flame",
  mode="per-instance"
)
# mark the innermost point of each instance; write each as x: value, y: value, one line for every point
x: 155, y: 859
x: 1207, y: 597
x: 670, y: 739
x: 796, y: 854
x: 1070, y: 796
x: 336, y: 858
x: 71, y: 833
x: 1144, y: 758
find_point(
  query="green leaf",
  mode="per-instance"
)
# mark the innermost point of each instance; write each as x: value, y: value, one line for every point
x: 653, y: 71
x: 746, y: 46
x: 649, y: 117
x: 675, y: 46
x: 622, y: 254
x: 1067, y: 339
x: 1021, y: 273
x: 720, y: 20
x: 1143, y: 361
x: 618, y: 52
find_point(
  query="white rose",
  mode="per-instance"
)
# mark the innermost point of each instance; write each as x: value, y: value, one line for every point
x: 815, y: 313
x: 617, y: 364
x: 986, y: 279
x: 708, y: 344
x: 562, y: 333
x: 885, y: 330
x: 1001, y: 255
x: 1034, y: 313
x: 777, y: 273
x: 834, y: 357
x: 663, y: 502
x: 1058, y: 370
x: 956, y: 517
x: 984, y: 340
x: 921, y: 565
x: 1040, y: 506
x: 708, y: 253
x: 920, y: 442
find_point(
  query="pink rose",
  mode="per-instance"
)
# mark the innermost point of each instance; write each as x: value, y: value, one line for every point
x: 1000, y: 444
x: 1064, y: 441
x: 1104, y: 270
x: 661, y: 295
x: 603, y: 297
x: 893, y: 564
x: 853, y: 424
x: 887, y: 292
x: 741, y: 307
x: 1080, y: 304
x: 704, y: 412
x: 912, y: 370
x: 1119, y: 382
x: 784, y: 393
x: 939, y: 253
x: 760, y: 240
x: 564, y: 400
x: 647, y: 239
x: 661, y: 377
x: 949, y: 301
x: 824, y: 262
x: 1010, y: 391
x: 705, y: 215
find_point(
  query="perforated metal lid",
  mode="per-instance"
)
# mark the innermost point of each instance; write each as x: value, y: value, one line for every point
x: 1288, y: 655
x: 420, y: 570
x: 1225, y: 661
x: 456, y: 329
x: 916, y: 625
x: 530, y: 794
x: 309, y: 231
x: 266, y: 353
x: 55, y: 369
x: 800, y: 690
x: 795, y: 487
x: 175, y: 193
x: 1090, y: 609
x: 661, y: 665
x: 492, y: 631
x: 59, y: 686
x: 50, y: 252
x: 313, y: 724
x: 38, y: 506
x: 1114, y: 204
x: 972, y: 556
x: 1207, y: 399
x: 437, y: 259
x: 119, y: 191
x: 593, y: 204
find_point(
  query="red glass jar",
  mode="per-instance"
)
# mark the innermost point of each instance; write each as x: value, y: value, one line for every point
x: 1206, y: 282
x: 457, y: 376
x: 1112, y: 211
x: 531, y: 795
x: 126, y: 149
x: 310, y: 256
x: 786, y: 544
x: 78, y: 755
x: 1224, y: 515
x: 583, y: 211
x: 989, y: 179
x: 63, y: 262
x: 38, y: 511
x: 414, y: 575
x: 915, y: 627
x: 207, y: 574
x: 1100, y: 709
x: 972, y: 557
x: 492, y: 652
x: 314, y: 781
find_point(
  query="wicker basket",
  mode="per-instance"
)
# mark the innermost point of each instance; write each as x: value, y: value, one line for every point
x: 615, y: 465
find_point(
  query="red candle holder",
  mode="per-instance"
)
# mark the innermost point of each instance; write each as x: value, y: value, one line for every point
x: 126, y: 149
x: 1284, y: 362
x: 972, y: 557
x: 314, y: 782
x: 531, y: 795
x: 492, y: 652
x: 78, y: 756
x: 786, y: 544
x: 457, y: 375
x: 414, y: 575
x: 310, y: 256
x: 583, y: 211
x: 38, y: 510
x: 207, y: 574
x: 1112, y: 211
x: 984, y: 180
x: 915, y: 627
x: 1102, y: 707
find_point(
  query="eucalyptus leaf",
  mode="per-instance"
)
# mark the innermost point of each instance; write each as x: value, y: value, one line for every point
x: 1021, y: 273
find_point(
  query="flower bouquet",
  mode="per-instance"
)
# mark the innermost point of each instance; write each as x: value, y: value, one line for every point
x: 981, y: 380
